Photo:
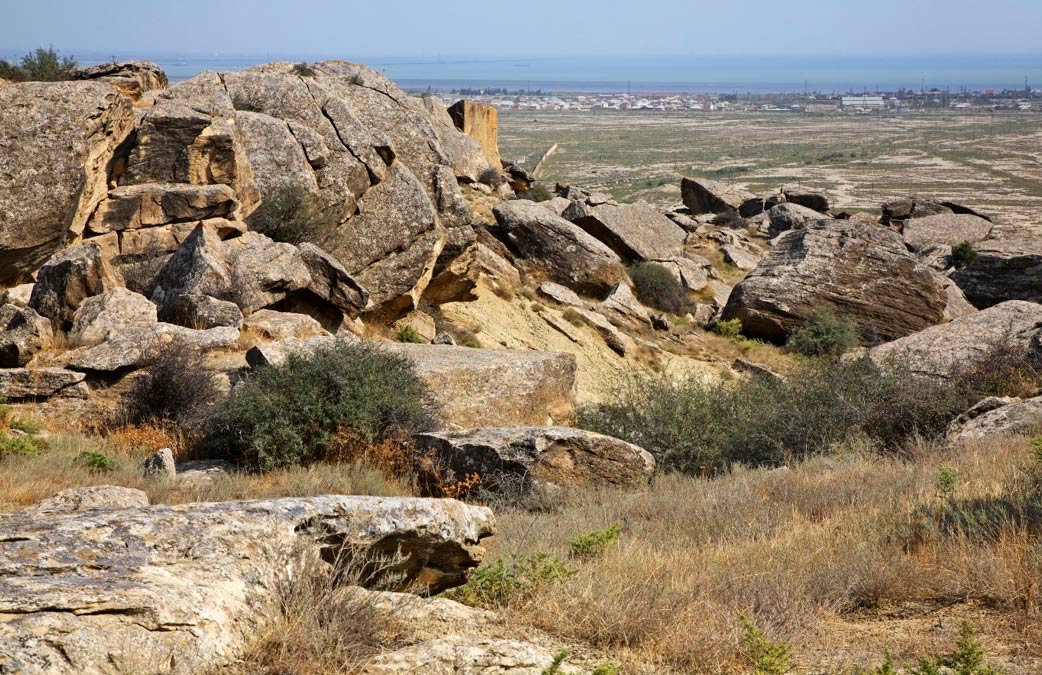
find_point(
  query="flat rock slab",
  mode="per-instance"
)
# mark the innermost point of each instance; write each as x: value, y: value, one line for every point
x: 31, y: 383
x: 496, y: 387
x: 182, y: 588
x: 998, y: 417
x: 1003, y: 270
x: 547, y: 457
x: 945, y: 229
x: 702, y: 195
x: 636, y: 232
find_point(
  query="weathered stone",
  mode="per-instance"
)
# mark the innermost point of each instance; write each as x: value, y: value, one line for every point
x: 863, y: 273
x: 331, y: 282
x: 701, y: 195
x: 897, y: 211
x: 87, y: 498
x: 496, y: 387
x: 34, y: 383
x: 636, y: 232
x: 133, y: 207
x: 1003, y: 270
x: 275, y: 353
x: 105, y: 590
x: 623, y: 308
x: 541, y: 458
x: 17, y: 295
x: 692, y: 271
x: 557, y: 205
x: 132, y: 78
x: 751, y: 207
x: 465, y: 655
x: 23, y: 333
x: 478, y: 267
x: 569, y: 254
x: 786, y: 217
x: 203, y: 470
x: 197, y: 267
x: 264, y: 272
x: 57, y: 140
x: 740, y: 257
x: 944, y: 229
x: 561, y: 295
x: 617, y: 341
x: 480, y: 121
x: 131, y: 348
x: 998, y: 417
x: 444, y: 339
x: 282, y: 325
x: 160, y: 464
x: 940, y: 351
x: 111, y: 313
x: 420, y: 323
x: 68, y: 278
x: 814, y: 201
x: 203, y: 311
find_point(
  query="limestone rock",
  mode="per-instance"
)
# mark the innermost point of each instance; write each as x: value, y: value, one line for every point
x: 198, y: 267
x: 282, y: 325
x: 939, y: 351
x: 636, y: 232
x: 461, y: 655
x: 542, y: 458
x: 87, y: 498
x: 897, y: 211
x: 496, y: 387
x: 131, y: 78
x: 480, y: 121
x: 275, y: 353
x: 420, y: 322
x: 17, y: 295
x: 702, y: 195
x: 57, y: 139
x: 111, y: 313
x: 134, y: 207
x: 160, y: 464
x: 998, y: 417
x: 623, y: 308
x: 945, y: 229
x: 1003, y: 270
x: 204, y: 311
x: 814, y: 201
x: 131, y: 348
x: 104, y: 590
x: 264, y: 272
x: 68, y: 278
x: 785, y: 217
x: 617, y: 341
x: 478, y: 267
x: 36, y: 383
x: 691, y: 271
x: 865, y: 274
x: 561, y: 295
x: 569, y: 254
x: 331, y: 282
x: 740, y: 257
x: 23, y: 333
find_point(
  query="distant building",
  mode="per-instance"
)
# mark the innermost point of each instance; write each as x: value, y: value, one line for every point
x: 864, y: 102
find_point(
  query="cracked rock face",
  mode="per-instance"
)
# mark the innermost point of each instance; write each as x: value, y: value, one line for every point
x: 178, y: 589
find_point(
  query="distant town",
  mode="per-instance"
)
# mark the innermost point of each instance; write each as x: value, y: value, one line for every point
x: 902, y: 101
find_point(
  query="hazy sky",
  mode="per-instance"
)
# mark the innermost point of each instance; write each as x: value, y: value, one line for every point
x: 527, y: 28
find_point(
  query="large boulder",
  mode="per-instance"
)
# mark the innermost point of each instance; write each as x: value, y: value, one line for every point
x: 132, y: 78
x: 785, y: 217
x: 636, y: 232
x: 108, y: 590
x: 815, y: 201
x: 564, y: 250
x: 896, y: 211
x: 38, y: 383
x: 941, y: 351
x: 534, y: 458
x: 998, y: 417
x: 478, y: 267
x: 480, y: 121
x: 134, y: 346
x: 495, y: 387
x: 70, y: 277
x: 23, y: 333
x: 945, y: 229
x: 111, y: 313
x: 133, y: 207
x: 701, y: 195
x: 864, y: 273
x: 1003, y: 270
x: 58, y: 140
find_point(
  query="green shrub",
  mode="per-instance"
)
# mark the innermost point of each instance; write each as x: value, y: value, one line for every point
x: 302, y: 411
x: 408, y: 334
x: 293, y: 214
x: 767, y: 657
x: 966, y: 659
x: 731, y: 328
x: 824, y: 333
x: 606, y: 668
x: 31, y: 427
x: 503, y: 581
x: 656, y: 287
x: 963, y: 254
x: 537, y: 193
x: 698, y: 426
x: 98, y: 462
x: 6, y: 413
x: 173, y: 386
x: 18, y: 445
x: 43, y: 65
x: 555, y: 666
x: 593, y: 544
x: 303, y: 70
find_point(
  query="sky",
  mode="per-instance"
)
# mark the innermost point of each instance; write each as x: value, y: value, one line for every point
x: 530, y: 28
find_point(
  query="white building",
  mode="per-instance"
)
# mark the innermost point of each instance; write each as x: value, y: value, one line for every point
x: 867, y: 102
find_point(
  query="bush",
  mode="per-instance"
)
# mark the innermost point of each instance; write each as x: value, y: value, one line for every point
x: 824, y: 333
x: 173, y: 386
x: 311, y: 407
x: 767, y: 657
x: 503, y: 581
x: 966, y: 659
x: 408, y: 334
x: 293, y: 214
x: 537, y: 193
x: 98, y: 462
x: 303, y: 70
x: 963, y: 254
x: 43, y: 65
x: 731, y: 328
x: 697, y: 426
x: 593, y: 544
x: 656, y: 287
x: 18, y: 445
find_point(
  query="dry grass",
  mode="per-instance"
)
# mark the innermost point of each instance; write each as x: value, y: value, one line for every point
x: 809, y: 553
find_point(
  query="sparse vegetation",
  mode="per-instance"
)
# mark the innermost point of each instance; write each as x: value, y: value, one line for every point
x: 313, y: 408
x: 537, y: 193
x: 42, y: 65
x: 656, y: 287
x: 593, y: 544
x: 174, y: 386
x: 732, y: 328
x: 963, y: 254
x: 408, y: 334
x: 293, y: 214
x: 496, y: 584
x: 765, y: 656
x: 824, y: 333
x: 98, y: 462
x: 303, y: 70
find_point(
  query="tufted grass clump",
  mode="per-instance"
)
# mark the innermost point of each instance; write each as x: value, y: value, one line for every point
x: 301, y: 411
x: 656, y: 287
x: 408, y: 335
x: 293, y: 214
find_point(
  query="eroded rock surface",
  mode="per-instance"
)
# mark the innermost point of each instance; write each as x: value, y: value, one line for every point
x: 1003, y: 270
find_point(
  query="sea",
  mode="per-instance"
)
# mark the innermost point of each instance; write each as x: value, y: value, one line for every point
x: 653, y: 74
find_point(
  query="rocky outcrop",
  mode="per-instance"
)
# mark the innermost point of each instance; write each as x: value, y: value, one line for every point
x: 480, y: 121
x: 274, y: 325
x: 134, y: 207
x: 456, y: 654
x: 68, y: 278
x: 636, y: 232
x: 478, y: 267
x: 495, y: 387
x: 944, y: 229
x: 897, y: 211
x: 131, y: 78
x: 1003, y: 270
x: 541, y: 459
x: 59, y: 140
x: 815, y: 201
x: 785, y: 217
x: 701, y: 195
x: 23, y: 333
x: 569, y: 254
x: 998, y: 417
x: 863, y: 273
x: 111, y: 314
x: 941, y: 351
x: 179, y: 588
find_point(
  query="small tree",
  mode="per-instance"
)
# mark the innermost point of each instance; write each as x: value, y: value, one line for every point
x: 963, y: 254
x: 655, y: 286
x: 824, y: 333
x: 46, y: 65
